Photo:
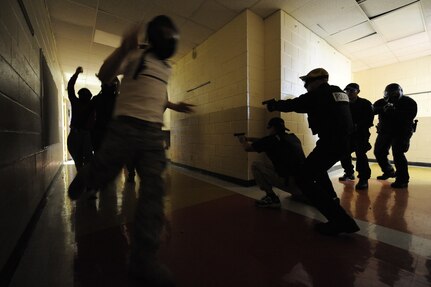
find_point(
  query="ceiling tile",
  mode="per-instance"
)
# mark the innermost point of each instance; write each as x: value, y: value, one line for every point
x: 373, y: 8
x: 332, y: 16
x: 409, y: 41
x: 132, y: 11
x: 182, y: 8
x: 112, y: 24
x: 212, y: 15
x: 238, y: 5
x: 364, y: 43
x: 352, y: 34
x: 267, y: 7
x: 87, y: 3
x: 81, y: 34
x: 70, y: 12
x: 400, y: 23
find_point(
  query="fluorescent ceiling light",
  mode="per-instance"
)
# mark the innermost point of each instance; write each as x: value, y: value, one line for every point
x: 106, y: 38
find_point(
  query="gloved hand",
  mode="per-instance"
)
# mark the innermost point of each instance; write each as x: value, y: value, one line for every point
x: 272, y: 106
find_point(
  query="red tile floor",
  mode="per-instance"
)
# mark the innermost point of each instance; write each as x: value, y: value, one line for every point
x: 216, y: 237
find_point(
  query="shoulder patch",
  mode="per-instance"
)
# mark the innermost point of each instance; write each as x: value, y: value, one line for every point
x: 340, y: 97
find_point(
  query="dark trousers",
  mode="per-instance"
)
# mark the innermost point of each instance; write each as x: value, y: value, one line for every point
x: 80, y: 147
x: 126, y: 137
x: 314, y: 180
x: 400, y: 145
x: 360, y: 145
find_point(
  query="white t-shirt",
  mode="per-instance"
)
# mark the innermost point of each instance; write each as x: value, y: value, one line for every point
x: 146, y: 96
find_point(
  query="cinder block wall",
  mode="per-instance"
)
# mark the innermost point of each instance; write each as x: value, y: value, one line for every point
x: 247, y: 61
x: 414, y: 76
x: 26, y: 168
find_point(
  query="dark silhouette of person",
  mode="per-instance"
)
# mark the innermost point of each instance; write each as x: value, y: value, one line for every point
x: 362, y: 116
x: 79, y: 139
x: 104, y: 109
x: 329, y: 116
x: 136, y: 132
x: 285, y: 152
x: 394, y: 130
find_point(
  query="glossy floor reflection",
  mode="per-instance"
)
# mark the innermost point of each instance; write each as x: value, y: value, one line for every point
x: 216, y: 237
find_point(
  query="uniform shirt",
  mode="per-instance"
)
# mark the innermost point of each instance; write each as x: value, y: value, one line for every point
x: 327, y: 108
x: 82, y: 112
x: 143, y: 95
x: 284, y: 150
x: 362, y: 114
x: 399, y: 120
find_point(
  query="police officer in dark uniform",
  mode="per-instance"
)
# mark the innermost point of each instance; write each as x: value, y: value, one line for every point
x: 284, y: 149
x: 362, y: 116
x: 395, y: 128
x: 329, y: 117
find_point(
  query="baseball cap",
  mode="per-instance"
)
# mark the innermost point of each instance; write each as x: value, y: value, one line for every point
x: 316, y: 73
x: 277, y: 123
x: 353, y: 86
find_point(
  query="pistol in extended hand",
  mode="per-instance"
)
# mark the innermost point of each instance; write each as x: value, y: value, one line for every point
x: 268, y: 102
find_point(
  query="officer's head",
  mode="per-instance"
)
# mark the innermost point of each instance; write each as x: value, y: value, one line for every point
x: 276, y: 125
x: 352, y: 90
x: 84, y: 95
x: 162, y: 36
x: 393, y: 92
x: 315, y: 78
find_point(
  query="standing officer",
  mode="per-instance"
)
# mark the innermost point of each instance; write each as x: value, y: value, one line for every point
x: 329, y: 117
x: 362, y: 116
x: 395, y: 128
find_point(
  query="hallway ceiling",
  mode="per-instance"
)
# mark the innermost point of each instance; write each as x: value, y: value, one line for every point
x: 371, y: 33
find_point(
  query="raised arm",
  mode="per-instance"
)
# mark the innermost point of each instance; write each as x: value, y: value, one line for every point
x: 111, y: 65
x: 71, y: 85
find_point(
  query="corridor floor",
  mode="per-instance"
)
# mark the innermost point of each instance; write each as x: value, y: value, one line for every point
x: 217, y: 237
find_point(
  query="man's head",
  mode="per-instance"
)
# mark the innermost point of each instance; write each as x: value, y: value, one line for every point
x: 352, y: 90
x: 84, y: 95
x: 276, y: 125
x: 314, y: 79
x: 393, y: 92
x: 162, y: 36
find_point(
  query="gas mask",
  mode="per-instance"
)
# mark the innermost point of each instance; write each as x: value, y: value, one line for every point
x: 393, y: 92
x: 162, y: 37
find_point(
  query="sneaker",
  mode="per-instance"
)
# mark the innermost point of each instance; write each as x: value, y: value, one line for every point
x: 398, y: 184
x: 333, y: 228
x: 347, y: 177
x: 362, y: 184
x: 269, y: 202
x: 386, y: 175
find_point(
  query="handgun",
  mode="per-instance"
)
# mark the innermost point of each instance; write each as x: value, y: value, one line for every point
x: 268, y: 101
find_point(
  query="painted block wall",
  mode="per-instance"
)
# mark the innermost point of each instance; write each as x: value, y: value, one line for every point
x: 26, y: 169
x: 216, y: 81
x: 247, y: 61
x: 414, y: 76
x: 300, y: 50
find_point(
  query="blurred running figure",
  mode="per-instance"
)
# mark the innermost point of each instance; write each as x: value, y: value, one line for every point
x: 136, y: 132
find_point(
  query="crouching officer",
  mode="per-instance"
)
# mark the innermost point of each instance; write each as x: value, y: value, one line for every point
x: 329, y: 117
x: 395, y: 128
x: 286, y: 154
